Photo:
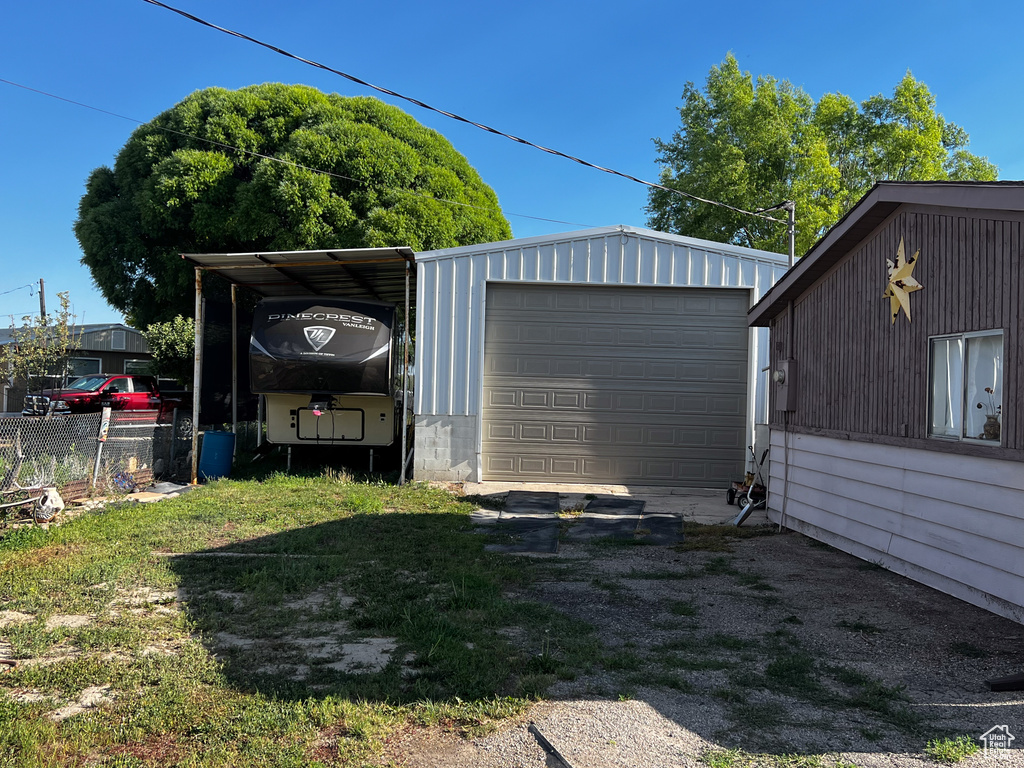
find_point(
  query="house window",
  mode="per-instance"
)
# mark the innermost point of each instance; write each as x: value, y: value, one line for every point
x: 83, y: 366
x: 966, y: 386
x: 136, y: 367
x: 117, y: 340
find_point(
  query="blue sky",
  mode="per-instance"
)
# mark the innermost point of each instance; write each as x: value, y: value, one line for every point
x: 593, y: 78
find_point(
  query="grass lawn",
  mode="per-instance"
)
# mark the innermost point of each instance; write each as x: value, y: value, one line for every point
x: 305, y: 620
x: 293, y: 621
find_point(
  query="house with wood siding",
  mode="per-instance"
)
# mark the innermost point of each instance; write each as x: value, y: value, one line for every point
x: 897, y: 402
x: 102, y: 348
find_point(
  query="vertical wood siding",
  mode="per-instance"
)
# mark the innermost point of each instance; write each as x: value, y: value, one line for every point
x: 862, y: 375
x: 451, y: 287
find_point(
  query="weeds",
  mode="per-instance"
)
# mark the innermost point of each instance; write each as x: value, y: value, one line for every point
x: 951, y: 750
x: 718, y: 538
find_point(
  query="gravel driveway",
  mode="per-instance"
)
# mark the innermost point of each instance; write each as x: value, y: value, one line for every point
x: 729, y: 652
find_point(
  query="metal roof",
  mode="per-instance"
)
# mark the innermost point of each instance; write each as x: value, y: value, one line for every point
x: 873, y: 209
x: 366, y: 273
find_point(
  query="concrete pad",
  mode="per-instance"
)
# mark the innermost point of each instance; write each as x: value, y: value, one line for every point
x: 662, y: 530
x: 614, y: 506
x: 695, y: 505
x: 530, y: 502
x: 590, y: 527
x: 484, y: 517
x: 524, y: 534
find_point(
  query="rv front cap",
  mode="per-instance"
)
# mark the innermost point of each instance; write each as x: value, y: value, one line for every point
x: 320, y: 316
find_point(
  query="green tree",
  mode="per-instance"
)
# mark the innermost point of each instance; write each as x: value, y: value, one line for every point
x: 42, y: 346
x: 754, y: 143
x: 199, y: 178
x: 172, y: 345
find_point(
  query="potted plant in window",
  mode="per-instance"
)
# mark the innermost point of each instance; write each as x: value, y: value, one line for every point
x: 992, y: 413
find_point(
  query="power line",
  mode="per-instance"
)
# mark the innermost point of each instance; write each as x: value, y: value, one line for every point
x: 453, y: 115
x: 262, y: 156
x: 31, y: 288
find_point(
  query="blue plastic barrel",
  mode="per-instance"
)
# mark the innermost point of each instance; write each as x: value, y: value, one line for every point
x: 216, y: 455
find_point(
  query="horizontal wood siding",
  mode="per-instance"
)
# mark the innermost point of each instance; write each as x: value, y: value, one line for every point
x: 862, y: 375
x: 953, y: 522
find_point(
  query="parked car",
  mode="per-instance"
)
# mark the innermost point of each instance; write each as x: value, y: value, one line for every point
x: 90, y: 394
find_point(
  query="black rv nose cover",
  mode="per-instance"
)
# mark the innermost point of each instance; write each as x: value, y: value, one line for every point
x: 321, y: 345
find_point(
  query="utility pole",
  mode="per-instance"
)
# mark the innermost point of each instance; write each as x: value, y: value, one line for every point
x: 42, y: 300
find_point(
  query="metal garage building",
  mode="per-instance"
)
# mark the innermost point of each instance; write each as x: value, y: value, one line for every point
x: 613, y: 355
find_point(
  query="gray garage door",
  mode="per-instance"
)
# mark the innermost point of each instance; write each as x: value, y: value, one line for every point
x: 615, y: 384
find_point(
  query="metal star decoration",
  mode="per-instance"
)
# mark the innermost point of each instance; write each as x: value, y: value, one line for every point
x: 901, y: 282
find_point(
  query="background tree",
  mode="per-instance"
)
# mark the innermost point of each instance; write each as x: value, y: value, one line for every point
x: 172, y: 345
x: 197, y: 178
x: 753, y: 144
x: 42, y: 346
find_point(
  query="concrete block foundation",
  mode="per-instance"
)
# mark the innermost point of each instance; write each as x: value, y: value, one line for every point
x: 445, y: 448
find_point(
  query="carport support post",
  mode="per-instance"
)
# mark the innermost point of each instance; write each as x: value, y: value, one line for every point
x: 197, y: 375
x: 405, y: 376
x: 234, y: 363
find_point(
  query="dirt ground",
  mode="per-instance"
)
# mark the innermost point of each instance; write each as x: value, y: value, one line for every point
x: 780, y: 646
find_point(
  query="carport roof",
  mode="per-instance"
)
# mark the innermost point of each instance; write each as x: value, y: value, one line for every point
x: 365, y: 273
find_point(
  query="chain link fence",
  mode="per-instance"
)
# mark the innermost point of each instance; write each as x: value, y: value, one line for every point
x: 66, y: 452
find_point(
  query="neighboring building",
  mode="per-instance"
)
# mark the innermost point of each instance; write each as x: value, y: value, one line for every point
x: 898, y: 417
x: 606, y: 355
x: 103, y: 348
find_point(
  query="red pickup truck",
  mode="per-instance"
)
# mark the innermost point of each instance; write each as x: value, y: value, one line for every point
x: 90, y: 394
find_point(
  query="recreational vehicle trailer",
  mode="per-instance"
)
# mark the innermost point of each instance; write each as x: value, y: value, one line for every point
x: 328, y: 369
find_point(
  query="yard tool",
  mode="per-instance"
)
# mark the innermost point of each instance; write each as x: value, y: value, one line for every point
x: 756, y: 495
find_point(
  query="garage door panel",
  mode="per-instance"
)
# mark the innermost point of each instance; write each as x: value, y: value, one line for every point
x: 505, y: 401
x: 602, y: 384
x: 567, y: 400
x: 622, y: 331
x: 617, y: 470
x: 535, y: 399
x: 569, y: 335
x: 594, y: 367
x: 540, y: 435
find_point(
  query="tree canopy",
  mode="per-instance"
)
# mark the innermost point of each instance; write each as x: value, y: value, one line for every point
x: 42, y: 345
x: 173, y: 345
x: 206, y: 176
x: 755, y: 143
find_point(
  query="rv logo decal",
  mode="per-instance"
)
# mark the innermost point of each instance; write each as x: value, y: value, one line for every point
x: 318, y: 335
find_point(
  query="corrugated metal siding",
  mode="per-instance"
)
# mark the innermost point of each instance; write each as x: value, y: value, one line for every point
x: 949, y: 521
x: 451, y: 290
x: 860, y: 374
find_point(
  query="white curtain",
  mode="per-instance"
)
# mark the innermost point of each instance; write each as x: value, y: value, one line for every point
x: 984, y: 370
x: 947, y: 373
